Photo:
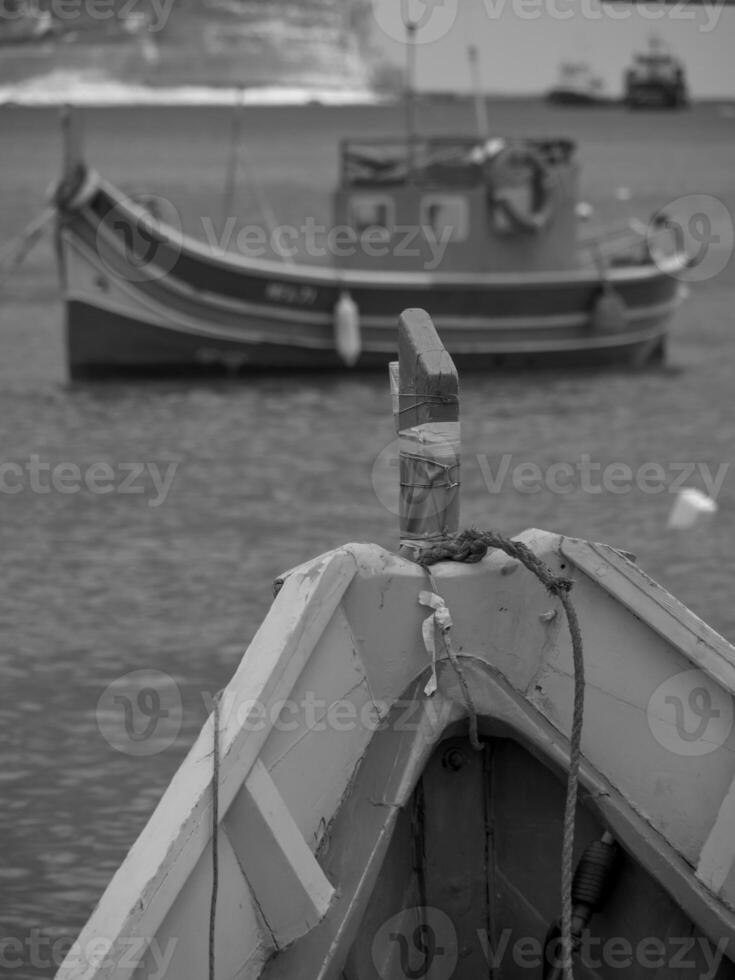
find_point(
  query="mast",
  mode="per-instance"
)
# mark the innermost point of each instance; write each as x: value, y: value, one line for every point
x: 479, y: 95
x: 409, y: 90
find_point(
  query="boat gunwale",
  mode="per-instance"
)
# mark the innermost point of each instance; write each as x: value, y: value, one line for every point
x: 331, y: 276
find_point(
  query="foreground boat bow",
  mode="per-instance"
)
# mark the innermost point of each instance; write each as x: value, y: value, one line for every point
x: 392, y: 757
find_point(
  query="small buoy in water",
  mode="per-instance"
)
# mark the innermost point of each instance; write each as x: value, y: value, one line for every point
x: 347, y: 337
x: 583, y: 210
x: 690, y: 505
x: 609, y: 313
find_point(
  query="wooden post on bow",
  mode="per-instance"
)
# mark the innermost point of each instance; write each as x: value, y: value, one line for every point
x: 425, y: 390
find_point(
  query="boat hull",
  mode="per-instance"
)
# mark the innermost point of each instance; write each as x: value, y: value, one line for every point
x: 341, y: 764
x: 191, y: 311
x: 571, y: 96
x: 103, y: 344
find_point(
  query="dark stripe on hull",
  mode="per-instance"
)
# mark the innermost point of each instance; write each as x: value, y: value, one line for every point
x: 101, y: 344
x: 215, y: 275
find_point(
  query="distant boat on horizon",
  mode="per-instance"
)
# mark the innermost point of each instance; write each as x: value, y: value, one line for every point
x: 656, y: 79
x: 578, y: 85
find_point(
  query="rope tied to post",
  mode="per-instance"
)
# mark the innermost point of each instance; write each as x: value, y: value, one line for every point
x: 471, y: 546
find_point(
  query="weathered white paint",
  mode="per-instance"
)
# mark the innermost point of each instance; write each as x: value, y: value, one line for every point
x: 630, y: 585
x: 242, y: 940
x: 290, y: 888
x: 324, y: 720
x: 632, y: 647
x: 160, y: 862
x: 717, y: 858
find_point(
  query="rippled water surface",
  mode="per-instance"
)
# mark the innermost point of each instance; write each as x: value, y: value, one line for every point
x: 271, y: 471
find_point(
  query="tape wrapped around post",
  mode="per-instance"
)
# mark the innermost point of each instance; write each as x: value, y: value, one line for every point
x: 429, y: 466
x: 425, y: 391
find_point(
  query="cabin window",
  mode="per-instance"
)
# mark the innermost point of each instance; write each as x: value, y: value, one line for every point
x: 445, y: 217
x: 375, y: 212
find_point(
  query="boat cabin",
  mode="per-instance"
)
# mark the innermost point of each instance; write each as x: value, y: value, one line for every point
x: 457, y: 205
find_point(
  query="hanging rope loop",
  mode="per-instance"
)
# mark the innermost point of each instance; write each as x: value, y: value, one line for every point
x: 471, y: 546
x: 216, y: 725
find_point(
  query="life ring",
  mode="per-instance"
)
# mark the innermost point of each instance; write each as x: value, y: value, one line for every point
x: 508, y: 213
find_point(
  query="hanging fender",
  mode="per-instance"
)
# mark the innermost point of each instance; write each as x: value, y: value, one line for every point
x: 507, y: 212
x: 347, y: 335
x: 609, y: 314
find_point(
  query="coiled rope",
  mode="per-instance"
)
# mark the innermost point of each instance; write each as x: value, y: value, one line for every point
x: 471, y: 546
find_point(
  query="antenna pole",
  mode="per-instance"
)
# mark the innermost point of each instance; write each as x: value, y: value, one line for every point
x: 479, y: 94
x: 230, y: 185
x: 409, y: 93
x: 71, y: 135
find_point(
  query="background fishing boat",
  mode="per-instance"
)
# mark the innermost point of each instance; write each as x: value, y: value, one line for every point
x: 483, y: 231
